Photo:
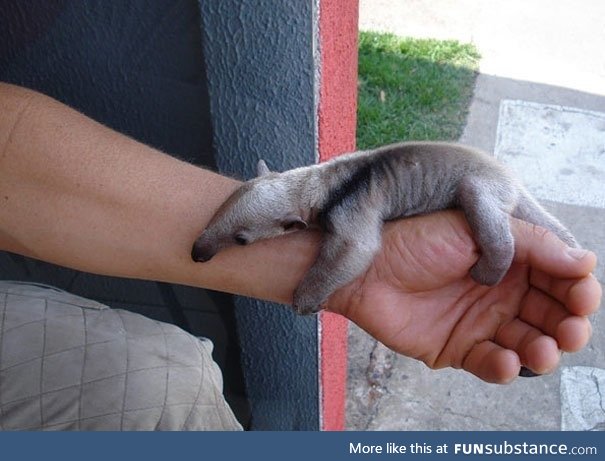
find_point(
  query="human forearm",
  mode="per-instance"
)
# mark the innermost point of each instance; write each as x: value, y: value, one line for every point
x: 78, y: 194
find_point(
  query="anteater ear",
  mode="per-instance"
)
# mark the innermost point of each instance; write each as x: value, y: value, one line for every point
x: 261, y: 168
x: 293, y: 222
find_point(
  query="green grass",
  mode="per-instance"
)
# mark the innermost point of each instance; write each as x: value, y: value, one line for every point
x: 412, y: 88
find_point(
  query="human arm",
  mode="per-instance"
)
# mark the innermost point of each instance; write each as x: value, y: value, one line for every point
x: 75, y: 193
x: 418, y: 299
x: 78, y: 194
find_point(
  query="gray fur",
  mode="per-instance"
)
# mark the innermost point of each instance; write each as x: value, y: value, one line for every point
x: 351, y: 196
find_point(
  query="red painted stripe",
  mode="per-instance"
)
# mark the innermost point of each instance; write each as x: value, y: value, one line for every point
x: 337, y: 119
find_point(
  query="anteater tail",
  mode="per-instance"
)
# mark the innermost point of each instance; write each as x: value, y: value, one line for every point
x: 529, y: 210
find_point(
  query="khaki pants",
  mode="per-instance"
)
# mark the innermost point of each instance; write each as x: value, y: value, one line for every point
x: 69, y: 363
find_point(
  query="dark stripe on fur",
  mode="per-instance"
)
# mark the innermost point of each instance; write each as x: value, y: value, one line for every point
x: 347, y: 191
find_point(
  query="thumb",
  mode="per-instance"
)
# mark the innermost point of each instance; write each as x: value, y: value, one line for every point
x: 541, y: 249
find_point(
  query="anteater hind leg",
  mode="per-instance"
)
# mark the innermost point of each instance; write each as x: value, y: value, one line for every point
x: 486, y: 207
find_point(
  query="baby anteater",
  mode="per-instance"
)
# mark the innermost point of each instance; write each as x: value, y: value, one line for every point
x: 351, y: 196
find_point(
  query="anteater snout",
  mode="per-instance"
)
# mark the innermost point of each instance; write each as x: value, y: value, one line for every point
x: 202, y: 252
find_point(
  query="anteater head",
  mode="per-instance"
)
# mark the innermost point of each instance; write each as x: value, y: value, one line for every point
x: 261, y: 208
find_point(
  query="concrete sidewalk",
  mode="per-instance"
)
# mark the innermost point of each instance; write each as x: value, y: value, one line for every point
x: 541, y: 91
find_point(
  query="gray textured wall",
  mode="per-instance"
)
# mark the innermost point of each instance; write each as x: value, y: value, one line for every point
x: 259, y: 63
x: 132, y: 65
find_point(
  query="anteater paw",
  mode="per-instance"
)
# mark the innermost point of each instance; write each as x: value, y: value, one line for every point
x: 306, y: 303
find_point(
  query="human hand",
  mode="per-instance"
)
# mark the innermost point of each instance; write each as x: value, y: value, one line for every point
x: 418, y: 299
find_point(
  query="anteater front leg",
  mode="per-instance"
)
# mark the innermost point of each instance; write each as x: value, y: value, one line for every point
x: 348, y: 247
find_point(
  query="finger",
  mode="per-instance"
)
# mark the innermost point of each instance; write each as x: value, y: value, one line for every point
x: 551, y: 318
x: 573, y: 333
x: 542, y: 250
x: 580, y: 296
x: 542, y: 311
x: 538, y: 352
x: 492, y: 363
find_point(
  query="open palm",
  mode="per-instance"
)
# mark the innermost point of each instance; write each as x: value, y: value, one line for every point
x: 418, y: 299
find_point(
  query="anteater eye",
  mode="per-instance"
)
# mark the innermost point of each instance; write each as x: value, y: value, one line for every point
x: 241, y: 240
